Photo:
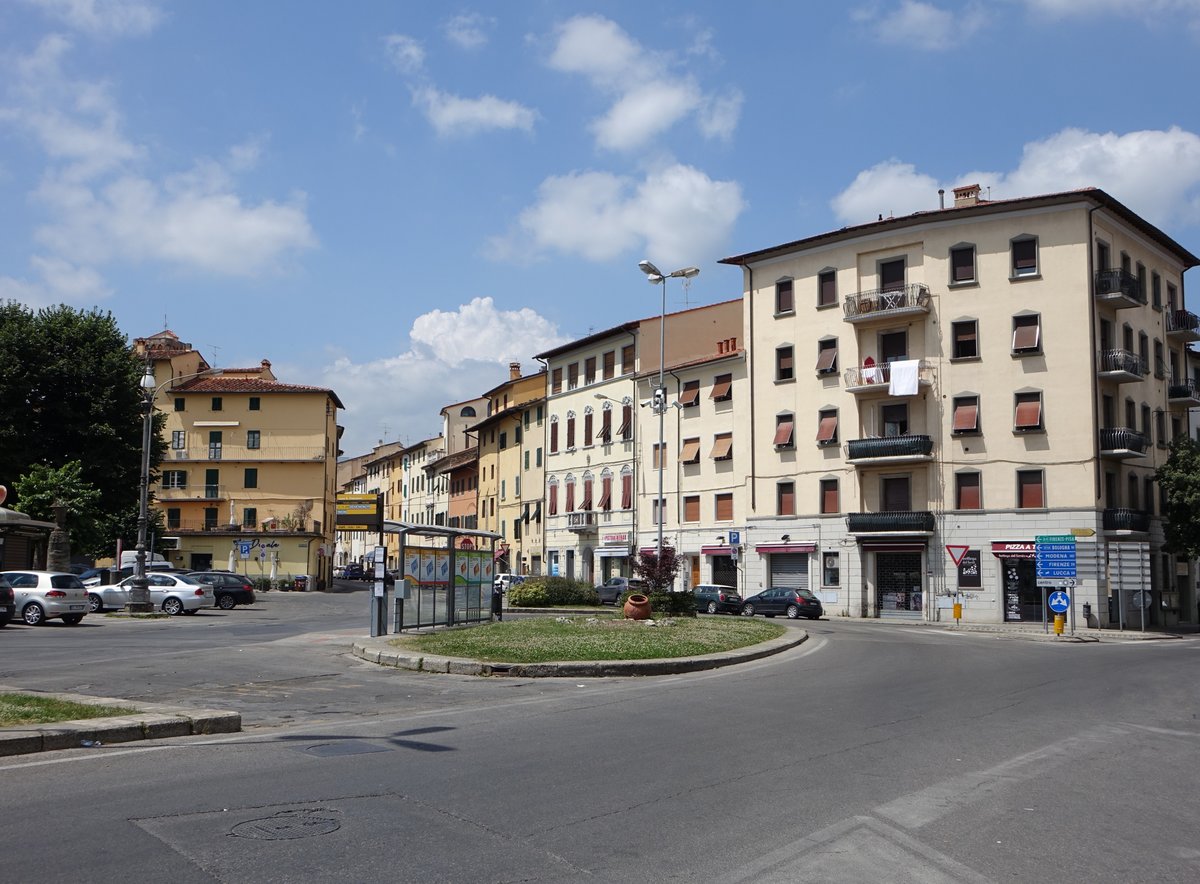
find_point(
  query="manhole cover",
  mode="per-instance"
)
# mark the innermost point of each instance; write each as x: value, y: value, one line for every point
x: 288, y: 825
x: 343, y: 747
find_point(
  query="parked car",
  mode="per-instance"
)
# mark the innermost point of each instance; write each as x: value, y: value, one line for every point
x: 714, y: 599
x: 39, y: 596
x: 353, y: 571
x: 229, y: 589
x: 611, y: 590
x: 504, y: 582
x: 790, y: 602
x: 96, y: 576
x: 171, y: 593
x: 8, y: 598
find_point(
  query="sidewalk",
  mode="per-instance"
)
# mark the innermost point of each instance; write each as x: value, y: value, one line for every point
x: 1034, y: 631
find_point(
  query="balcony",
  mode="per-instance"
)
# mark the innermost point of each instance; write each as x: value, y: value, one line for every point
x: 1121, y: 366
x: 273, y: 453
x: 1183, y: 325
x: 1120, y: 520
x: 1182, y: 392
x: 581, y: 522
x: 869, y: 306
x: 1118, y: 288
x: 876, y: 379
x: 1122, y: 443
x: 903, y: 522
x: 221, y: 526
x: 194, y: 492
x: 889, y: 450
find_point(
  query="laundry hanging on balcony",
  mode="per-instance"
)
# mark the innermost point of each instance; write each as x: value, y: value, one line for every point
x: 904, y: 377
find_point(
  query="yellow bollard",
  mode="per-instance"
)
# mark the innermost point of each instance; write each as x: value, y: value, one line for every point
x: 958, y: 610
x: 1059, y: 619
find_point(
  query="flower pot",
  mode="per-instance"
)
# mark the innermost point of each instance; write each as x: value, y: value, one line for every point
x: 637, y: 607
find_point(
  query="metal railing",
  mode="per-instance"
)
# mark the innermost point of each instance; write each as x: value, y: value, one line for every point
x: 1123, y: 439
x: 1123, y: 360
x: 906, y: 298
x: 890, y: 446
x: 222, y: 525
x: 868, y: 375
x: 204, y: 451
x: 1182, y: 321
x: 1125, y: 519
x: 1118, y: 282
x: 904, y: 521
x: 1182, y: 388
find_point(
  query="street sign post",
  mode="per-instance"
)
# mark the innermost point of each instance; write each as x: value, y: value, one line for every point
x: 956, y: 553
x: 1059, y: 601
x: 1056, y: 567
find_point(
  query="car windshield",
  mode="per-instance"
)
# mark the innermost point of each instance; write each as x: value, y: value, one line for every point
x: 65, y: 581
x: 804, y: 593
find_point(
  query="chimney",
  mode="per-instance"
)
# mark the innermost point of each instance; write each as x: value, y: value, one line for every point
x: 514, y: 370
x: 941, y: 198
x: 967, y: 195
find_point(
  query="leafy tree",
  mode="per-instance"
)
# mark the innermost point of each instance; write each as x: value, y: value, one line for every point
x: 658, y: 571
x: 1179, y: 479
x: 69, y: 387
x: 43, y: 488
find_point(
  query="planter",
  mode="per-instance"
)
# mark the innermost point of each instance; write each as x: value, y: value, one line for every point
x: 637, y: 607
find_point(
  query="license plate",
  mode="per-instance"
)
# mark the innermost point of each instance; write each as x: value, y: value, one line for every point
x: 76, y: 607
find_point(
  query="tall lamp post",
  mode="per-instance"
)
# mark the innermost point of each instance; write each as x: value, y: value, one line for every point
x: 658, y: 401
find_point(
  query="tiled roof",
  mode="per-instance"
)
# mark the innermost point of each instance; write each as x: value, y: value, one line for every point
x: 221, y: 384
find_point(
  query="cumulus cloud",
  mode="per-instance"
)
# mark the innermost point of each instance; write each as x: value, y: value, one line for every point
x: 442, y: 365
x: 677, y: 213
x: 1146, y: 9
x: 649, y: 96
x: 104, y: 18
x: 56, y: 281
x: 920, y: 25
x: 1128, y: 166
x: 452, y: 115
x: 469, y: 30
x: 405, y: 53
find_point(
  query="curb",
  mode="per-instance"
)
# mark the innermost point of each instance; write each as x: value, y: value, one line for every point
x: 381, y: 652
x: 151, y: 721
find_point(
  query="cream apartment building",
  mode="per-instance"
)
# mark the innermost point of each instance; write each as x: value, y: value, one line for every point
x: 417, y: 505
x: 953, y: 384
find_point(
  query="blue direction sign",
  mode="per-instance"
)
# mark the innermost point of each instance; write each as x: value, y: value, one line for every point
x: 1055, y: 559
x: 1059, y: 601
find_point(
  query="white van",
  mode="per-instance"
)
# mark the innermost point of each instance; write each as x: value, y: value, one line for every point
x: 153, y: 560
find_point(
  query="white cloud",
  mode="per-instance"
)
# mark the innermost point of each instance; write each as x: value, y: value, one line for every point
x: 643, y: 113
x: 453, y: 115
x: 678, y: 214
x: 104, y: 18
x: 405, y: 53
x: 1128, y: 166
x: 919, y: 25
x: 479, y: 332
x: 58, y: 282
x: 469, y: 29
x: 719, y: 114
x: 600, y: 50
x: 1140, y: 8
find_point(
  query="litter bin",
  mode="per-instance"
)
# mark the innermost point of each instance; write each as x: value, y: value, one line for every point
x: 497, y: 602
x: 300, y: 584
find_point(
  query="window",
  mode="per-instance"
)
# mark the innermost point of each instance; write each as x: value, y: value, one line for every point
x: 589, y: 370
x: 690, y: 452
x: 572, y: 375
x: 831, y: 574
x: 626, y: 490
x: 586, y: 504
x: 690, y: 395
x: 1028, y: 416
x: 785, y: 499
x: 1027, y: 333
x: 179, y: 403
x: 1160, y: 429
x: 1171, y: 298
x: 784, y: 370
x: 178, y: 439
x: 570, y: 430
x: 784, y: 301
x: 587, y: 428
x: 691, y: 508
x: 1148, y: 494
x: 827, y: 427
x: 210, y: 518
x: 894, y: 418
x: 173, y: 518
x: 605, y: 503
x: 250, y: 517
x: 569, y: 484
x: 660, y: 455
x: 1024, y: 257
x: 609, y: 362
x: 554, y: 435
x: 216, y: 403
x: 722, y: 446
x: 606, y: 424
x: 174, y: 479
x: 829, y: 496
x: 552, y: 499
x: 539, y: 415
x: 1144, y: 352
x: 658, y: 505
x: 785, y: 431
x: 253, y: 438
x: 625, y: 431
x: 1156, y: 290
x: 503, y: 489
x: 1160, y: 367
x: 826, y: 288
x: 965, y: 339
x: 891, y: 275
x: 212, y: 483
x: 962, y: 264
x: 556, y: 380
x: 723, y: 506
x: 503, y: 440
x: 627, y: 359
x: 1030, y: 491
x: 251, y: 478
x: 538, y: 458
x: 1146, y: 421
x: 1141, y: 282
x: 255, y: 403
x: 827, y: 353
x: 722, y: 390
x: 966, y: 491
x: 966, y: 415
x: 214, y: 445
x: 517, y: 435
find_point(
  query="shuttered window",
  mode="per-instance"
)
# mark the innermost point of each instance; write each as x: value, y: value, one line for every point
x: 610, y: 365
x: 829, y: 496
x: 625, y: 431
x: 587, y: 428
x: 784, y: 431
x: 556, y: 380
x: 606, y: 426
x: 785, y: 499
x: 605, y: 503
x: 724, y: 507
x: 553, y: 437
x: 722, y: 387
x: 827, y: 428
x: 627, y: 359
x: 784, y: 364
x: 552, y: 504
x: 570, y: 433
x: 1024, y: 257
x: 827, y: 352
x: 690, y: 395
x: 1028, y: 411
x: 966, y: 414
x: 784, y: 301
x: 962, y: 264
x: 967, y: 491
x: 1030, y: 491
x: 966, y: 339
x: 570, y: 502
x: 691, y: 508
x: 826, y: 288
x: 1027, y: 333
x: 690, y: 453
x: 626, y: 491
x: 722, y: 447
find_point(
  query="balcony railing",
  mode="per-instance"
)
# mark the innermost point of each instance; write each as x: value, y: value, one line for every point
x: 1182, y: 391
x: 877, y: 378
x: 1122, y: 365
x: 1124, y: 519
x: 1119, y: 288
x: 882, y: 304
x: 192, y: 492
x: 909, y: 447
x: 904, y: 522
x: 1183, y: 325
x: 1122, y: 442
x: 581, y: 521
x: 223, y: 526
x: 240, y: 452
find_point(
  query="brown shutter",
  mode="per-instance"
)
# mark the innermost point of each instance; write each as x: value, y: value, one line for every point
x: 1029, y: 414
x: 1031, y: 491
x: 587, y: 428
x: 1024, y: 253
x: 1027, y: 335
x: 587, y: 495
x: 570, y: 433
x: 690, y: 394
x: 570, y: 497
x: 627, y: 359
x: 721, y: 386
x: 829, y: 497
x: 787, y: 499
x: 784, y: 302
x: 827, y: 431
x: 722, y: 446
x: 610, y: 365
x: 691, y: 509
x: 962, y: 263
x: 605, y: 503
x: 783, y: 432
x: 556, y: 380
x: 724, y: 507
x: 625, y: 431
x: 968, y: 491
x: 626, y: 492
x: 606, y: 426
x: 553, y: 437
x: 553, y: 504
x: 827, y: 288
x: 690, y: 452
x: 826, y: 357
x: 966, y: 417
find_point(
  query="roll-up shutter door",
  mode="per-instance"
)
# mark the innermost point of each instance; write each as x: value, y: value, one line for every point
x: 790, y: 570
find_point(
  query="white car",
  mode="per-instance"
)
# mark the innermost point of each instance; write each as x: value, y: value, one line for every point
x: 43, y: 595
x: 171, y: 593
x: 504, y: 582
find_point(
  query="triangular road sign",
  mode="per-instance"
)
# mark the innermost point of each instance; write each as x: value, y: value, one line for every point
x: 956, y: 553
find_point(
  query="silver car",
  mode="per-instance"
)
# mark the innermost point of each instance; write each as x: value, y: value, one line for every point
x: 39, y: 596
x: 171, y: 593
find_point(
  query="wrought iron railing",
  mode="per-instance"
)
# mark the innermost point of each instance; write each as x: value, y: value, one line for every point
x: 1118, y: 282
x: 890, y: 446
x: 1182, y: 321
x: 1123, y: 360
x: 1125, y: 519
x: 904, y: 521
x: 1182, y: 388
x: 1123, y: 439
x: 913, y: 296
x: 865, y: 375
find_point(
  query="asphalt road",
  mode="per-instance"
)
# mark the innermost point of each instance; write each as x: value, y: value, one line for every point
x: 871, y: 753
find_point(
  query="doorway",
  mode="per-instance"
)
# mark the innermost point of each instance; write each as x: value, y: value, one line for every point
x: 898, y: 585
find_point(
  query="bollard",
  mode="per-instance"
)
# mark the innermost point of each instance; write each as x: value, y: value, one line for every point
x: 957, y: 611
x: 1058, y: 624
x: 497, y: 603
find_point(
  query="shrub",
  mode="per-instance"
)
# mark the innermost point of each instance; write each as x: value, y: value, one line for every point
x: 673, y: 604
x: 546, y: 592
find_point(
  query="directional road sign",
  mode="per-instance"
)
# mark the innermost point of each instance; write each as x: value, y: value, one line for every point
x: 1059, y: 601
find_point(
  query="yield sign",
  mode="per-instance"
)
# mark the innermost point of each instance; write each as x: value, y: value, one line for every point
x: 956, y: 553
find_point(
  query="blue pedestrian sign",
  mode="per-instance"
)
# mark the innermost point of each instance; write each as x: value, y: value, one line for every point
x: 1059, y: 601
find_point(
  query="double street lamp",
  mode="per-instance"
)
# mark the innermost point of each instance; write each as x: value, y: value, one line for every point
x: 658, y: 401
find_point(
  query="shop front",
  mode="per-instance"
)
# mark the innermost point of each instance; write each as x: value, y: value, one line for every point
x: 1020, y: 596
x: 722, y: 564
x: 899, y: 578
x: 787, y: 563
x: 612, y: 556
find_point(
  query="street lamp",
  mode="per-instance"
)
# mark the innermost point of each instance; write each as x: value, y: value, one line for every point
x: 658, y: 401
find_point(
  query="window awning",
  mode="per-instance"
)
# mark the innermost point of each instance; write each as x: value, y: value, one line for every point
x: 1025, y: 337
x: 966, y: 417
x: 826, y: 357
x: 690, y: 394
x: 605, y: 497
x: 1029, y: 414
x: 721, y: 447
x: 690, y: 452
x: 716, y: 550
x: 783, y: 433
x: 827, y: 431
x: 721, y: 387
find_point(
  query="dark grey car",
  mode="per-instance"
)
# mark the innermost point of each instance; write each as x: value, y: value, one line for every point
x: 715, y: 599
x: 611, y: 590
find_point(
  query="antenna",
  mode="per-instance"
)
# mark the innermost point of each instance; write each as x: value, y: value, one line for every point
x: 165, y: 326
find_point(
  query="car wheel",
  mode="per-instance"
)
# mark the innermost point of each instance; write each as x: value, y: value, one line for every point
x: 95, y: 603
x: 33, y: 615
x: 172, y: 606
x: 712, y: 607
x: 226, y: 603
x: 793, y: 612
x: 747, y: 610
x: 72, y: 619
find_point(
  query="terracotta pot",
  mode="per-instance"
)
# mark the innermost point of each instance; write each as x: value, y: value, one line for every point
x: 637, y: 607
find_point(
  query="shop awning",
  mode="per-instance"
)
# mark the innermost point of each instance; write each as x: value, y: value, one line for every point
x: 716, y: 550
x: 609, y: 552
x: 1014, y: 549
x: 785, y: 547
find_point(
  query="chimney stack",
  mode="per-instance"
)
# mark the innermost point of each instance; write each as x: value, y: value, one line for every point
x: 514, y: 370
x: 967, y: 195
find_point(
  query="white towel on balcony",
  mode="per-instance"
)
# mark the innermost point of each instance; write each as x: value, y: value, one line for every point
x: 905, y: 377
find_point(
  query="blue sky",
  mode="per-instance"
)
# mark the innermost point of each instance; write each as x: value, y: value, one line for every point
x: 396, y: 199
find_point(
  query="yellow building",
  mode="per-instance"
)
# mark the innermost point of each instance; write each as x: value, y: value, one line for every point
x: 249, y: 474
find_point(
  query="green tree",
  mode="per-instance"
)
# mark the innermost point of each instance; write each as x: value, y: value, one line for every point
x: 1179, y: 480
x: 69, y: 391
